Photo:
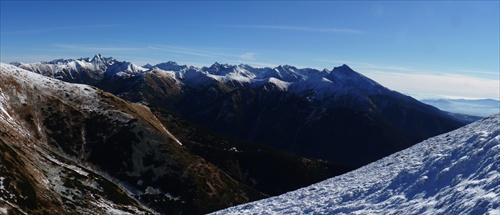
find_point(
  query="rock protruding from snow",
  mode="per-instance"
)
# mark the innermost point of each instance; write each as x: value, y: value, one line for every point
x: 453, y: 173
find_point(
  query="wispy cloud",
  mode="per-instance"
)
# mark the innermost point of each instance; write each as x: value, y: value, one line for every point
x: 81, y: 47
x: 248, y: 56
x: 296, y: 28
x: 230, y: 56
x: 63, y: 28
x: 203, y: 52
x: 181, y: 50
x: 258, y: 63
x: 472, y: 71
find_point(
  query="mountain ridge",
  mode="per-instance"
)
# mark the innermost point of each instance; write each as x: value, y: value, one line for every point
x: 73, y: 148
x: 313, y: 113
x: 64, y: 68
x: 89, y: 151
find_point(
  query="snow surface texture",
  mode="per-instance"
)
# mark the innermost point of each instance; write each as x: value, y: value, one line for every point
x: 453, y: 173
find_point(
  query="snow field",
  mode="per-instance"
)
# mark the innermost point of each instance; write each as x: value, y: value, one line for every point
x: 453, y: 173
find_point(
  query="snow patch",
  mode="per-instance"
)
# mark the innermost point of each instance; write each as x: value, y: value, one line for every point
x: 1, y: 183
x: 167, y: 132
x: 282, y: 85
x: 72, y: 167
x: 6, y: 115
x: 114, y: 211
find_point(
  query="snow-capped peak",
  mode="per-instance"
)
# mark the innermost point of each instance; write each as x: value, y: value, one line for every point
x: 97, y: 57
x: 102, y: 62
x: 344, y: 75
x: 85, y: 70
x: 124, y: 69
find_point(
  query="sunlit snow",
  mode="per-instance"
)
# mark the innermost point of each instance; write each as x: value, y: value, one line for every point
x: 454, y: 173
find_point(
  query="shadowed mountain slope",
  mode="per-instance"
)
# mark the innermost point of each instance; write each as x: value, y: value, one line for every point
x: 73, y: 148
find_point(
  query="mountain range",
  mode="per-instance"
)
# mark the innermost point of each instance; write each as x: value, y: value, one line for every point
x: 338, y: 115
x: 73, y: 148
x: 453, y: 173
x: 98, y: 135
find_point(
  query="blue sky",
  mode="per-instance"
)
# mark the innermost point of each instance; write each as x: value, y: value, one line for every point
x: 425, y: 49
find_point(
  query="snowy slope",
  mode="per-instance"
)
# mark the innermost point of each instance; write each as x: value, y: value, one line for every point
x: 453, y: 173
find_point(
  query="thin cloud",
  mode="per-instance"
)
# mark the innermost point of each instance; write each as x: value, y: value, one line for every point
x: 443, y: 85
x: 297, y: 28
x: 52, y: 29
x: 191, y: 51
x: 259, y: 64
x: 74, y: 47
x: 248, y: 56
x: 251, y: 56
x: 479, y: 72
x: 179, y: 51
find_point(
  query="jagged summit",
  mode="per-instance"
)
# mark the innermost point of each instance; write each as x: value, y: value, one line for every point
x: 344, y: 67
x: 97, y: 57
x: 344, y: 71
x: 344, y: 75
